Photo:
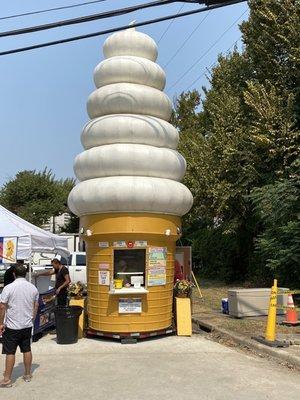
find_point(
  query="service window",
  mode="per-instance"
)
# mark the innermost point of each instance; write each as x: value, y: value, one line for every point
x: 129, y: 266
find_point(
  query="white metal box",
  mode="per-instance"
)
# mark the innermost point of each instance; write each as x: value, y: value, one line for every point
x: 252, y: 302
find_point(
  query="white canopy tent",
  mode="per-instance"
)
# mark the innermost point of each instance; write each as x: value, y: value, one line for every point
x: 31, y: 239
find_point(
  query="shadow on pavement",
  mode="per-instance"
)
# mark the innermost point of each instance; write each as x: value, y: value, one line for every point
x: 19, y: 370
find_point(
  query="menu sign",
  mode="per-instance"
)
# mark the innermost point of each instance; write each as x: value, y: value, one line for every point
x: 130, y: 306
x: 157, y: 276
x: 157, y: 257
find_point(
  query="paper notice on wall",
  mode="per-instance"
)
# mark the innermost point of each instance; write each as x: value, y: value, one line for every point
x: 130, y: 306
x: 120, y: 243
x: 103, y: 277
x: 157, y: 257
x: 157, y: 276
x: 8, y: 250
x: 140, y: 243
x: 103, y: 244
x: 103, y: 266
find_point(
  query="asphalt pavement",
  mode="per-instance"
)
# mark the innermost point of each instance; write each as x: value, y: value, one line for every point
x: 159, y: 369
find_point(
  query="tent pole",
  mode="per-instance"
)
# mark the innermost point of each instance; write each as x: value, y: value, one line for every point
x: 30, y: 266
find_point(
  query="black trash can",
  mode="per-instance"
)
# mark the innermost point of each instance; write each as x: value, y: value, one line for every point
x: 66, y: 319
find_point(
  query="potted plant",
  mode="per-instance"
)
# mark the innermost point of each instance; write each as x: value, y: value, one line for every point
x: 76, y: 290
x: 183, y: 288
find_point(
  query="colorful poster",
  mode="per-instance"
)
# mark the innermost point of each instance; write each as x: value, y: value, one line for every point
x: 103, y: 278
x: 130, y: 306
x: 157, y: 276
x: 8, y: 250
x: 157, y: 257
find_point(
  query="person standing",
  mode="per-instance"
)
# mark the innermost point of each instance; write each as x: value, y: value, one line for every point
x: 62, y: 280
x: 9, y: 273
x: 19, y: 303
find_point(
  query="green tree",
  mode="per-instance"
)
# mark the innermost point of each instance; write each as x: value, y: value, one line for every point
x: 244, y: 138
x: 73, y: 225
x: 278, y: 245
x: 36, y: 196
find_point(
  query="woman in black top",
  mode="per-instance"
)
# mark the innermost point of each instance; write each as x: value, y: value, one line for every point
x: 62, y: 282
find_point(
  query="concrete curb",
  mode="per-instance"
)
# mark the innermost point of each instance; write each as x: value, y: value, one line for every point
x: 280, y: 355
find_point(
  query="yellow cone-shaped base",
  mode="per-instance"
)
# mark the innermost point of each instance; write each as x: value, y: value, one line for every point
x: 103, y: 308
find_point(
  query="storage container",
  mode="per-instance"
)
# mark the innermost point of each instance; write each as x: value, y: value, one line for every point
x: 253, y: 302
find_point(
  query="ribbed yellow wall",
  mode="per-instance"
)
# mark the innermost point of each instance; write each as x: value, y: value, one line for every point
x: 157, y: 304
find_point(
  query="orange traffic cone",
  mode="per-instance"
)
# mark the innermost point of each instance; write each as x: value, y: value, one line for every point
x: 291, y: 317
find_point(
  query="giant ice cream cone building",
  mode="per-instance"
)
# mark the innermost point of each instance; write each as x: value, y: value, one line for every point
x: 129, y: 198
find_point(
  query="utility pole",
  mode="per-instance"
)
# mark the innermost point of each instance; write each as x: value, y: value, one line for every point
x: 53, y: 224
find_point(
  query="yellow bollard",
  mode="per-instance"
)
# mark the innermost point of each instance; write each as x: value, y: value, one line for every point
x: 271, y: 323
x: 270, y: 335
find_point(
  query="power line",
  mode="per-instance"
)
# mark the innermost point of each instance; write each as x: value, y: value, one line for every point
x: 186, y: 40
x: 87, y: 18
x: 181, y: 8
x: 212, y: 65
x: 170, y: 24
x: 120, y: 28
x: 52, y: 9
x: 207, y: 51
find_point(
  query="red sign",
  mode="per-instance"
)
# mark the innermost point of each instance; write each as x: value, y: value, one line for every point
x: 130, y: 245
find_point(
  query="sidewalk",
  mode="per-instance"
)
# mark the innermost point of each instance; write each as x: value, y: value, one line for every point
x: 289, y: 355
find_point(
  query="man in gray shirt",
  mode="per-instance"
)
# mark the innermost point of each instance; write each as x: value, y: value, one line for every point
x: 18, y: 308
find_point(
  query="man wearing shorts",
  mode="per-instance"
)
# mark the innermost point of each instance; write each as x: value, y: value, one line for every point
x: 18, y: 308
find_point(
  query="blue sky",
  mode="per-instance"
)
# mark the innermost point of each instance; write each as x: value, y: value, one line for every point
x: 43, y: 92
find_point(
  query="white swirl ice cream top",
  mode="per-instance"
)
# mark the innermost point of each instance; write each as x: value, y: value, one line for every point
x: 130, y: 162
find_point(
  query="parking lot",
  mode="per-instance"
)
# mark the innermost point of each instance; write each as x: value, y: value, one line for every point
x: 165, y: 368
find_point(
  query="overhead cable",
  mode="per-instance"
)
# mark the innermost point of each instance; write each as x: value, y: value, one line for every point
x: 117, y: 29
x: 186, y: 40
x: 170, y: 24
x: 52, y: 9
x: 87, y: 18
x: 206, y: 52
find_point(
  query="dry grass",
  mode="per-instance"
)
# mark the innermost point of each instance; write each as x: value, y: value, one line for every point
x: 209, y: 309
